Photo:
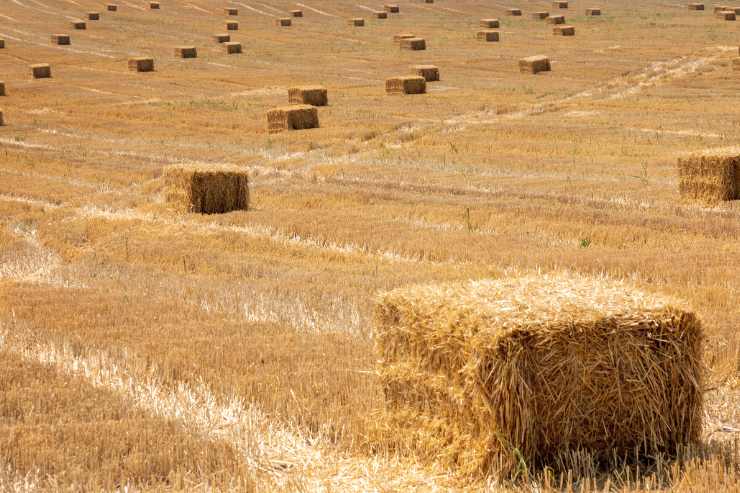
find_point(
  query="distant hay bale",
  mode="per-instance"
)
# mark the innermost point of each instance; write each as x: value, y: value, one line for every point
x: 232, y: 25
x: 540, y: 15
x: 514, y: 12
x: 429, y: 72
x: 710, y: 176
x: 154, y: 5
x: 41, y: 70
x: 556, y: 19
x: 414, y: 44
x: 487, y: 36
x: 727, y: 15
x: 186, y: 52
x: 233, y: 47
x: 293, y: 117
x: 412, y: 84
x: 79, y: 25
x: 222, y: 38
x: 93, y: 16
x: 380, y: 14
x: 2, y: 89
x: 534, y: 64
x: 296, y: 13
x: 392, y: 8
x: 488, y: 376
x: 357, y: 22
x: 111, y: 7
x: 489, y: 23
x: 231, y: 11
x: 61, y: 39
x: 696, y: 6
x: 206, y: 189
x: 283, y: 22
x: 313, y: 95
x: 560, y: 4
x: 398, y: 37
x: 564, y: 30
x: 2, y: 43
x: 141, y: 64
x: 593, y: 11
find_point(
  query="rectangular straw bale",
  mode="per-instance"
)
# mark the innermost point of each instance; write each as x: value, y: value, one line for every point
x: 710, y: 176
x: 696, y: 6
x: 487, y: 375
x: 222, y: 38
x: 414, y: 44
x: 293, y: 117
x: 283, y: 22
x: 2, y: 88
x: 141, y: 64
x: 534, y: 64
x: 186, y: 52
x: 231, y: 11
x: 41, y: 70
x: 559, y: 4
x: 514, y: 12
x: 61, y: 39
x: 412, y: 84
x: 206, y: 189
x: 357, y: 22
x: 296, y: 13
x: 233, y: 48
x: 232, y: 25
x: 564, y: 30
x: 154, y: 5
x: 79, y: 25
x: 727, y: 15
x: 556, y: 19
x: 489, y: 23
x: 111, y: 7
x: 313, y: 95
x: 540, y: 15
x: 380, y: 14
x: 392, y: 8
x: 398, y: 37
x: 429, y: 72
x: 488, y: 36
x: 93, y: 16
x: 593, y: 11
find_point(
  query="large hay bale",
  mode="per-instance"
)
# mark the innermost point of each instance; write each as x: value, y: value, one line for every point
x: 429, y: 72
x: 231, y: 11
x: 540, y: 15
x: 564, y: 30
x: 593, y: 11
x: 222, y: 38
x: 233, y: 48
x: 313, y: 95
x: 154, y: 5
x: 2, y: 88
x: 296, y: 13
x: 283, y: 22
x: 111, y: 7
x: 93, y: 16
x: 79, y: 25
x: 411, y: 84
x: 710, y: 176
x: 727, y: 15
x: 556, y: 19
x: 560, y: 4
x: 489, y: 23
x: 380, y: 14
x: 141, y: 64
x: 186, y: 52
x: 392, y: 8
x: 514, y: 12
x: 206, y: 189
x: 493, y: 375
x: 487, y: 36
x: 398, y: 37
x: 357, y: 22
x: 414, y: 44
x: 696, y: 6
x: 41, y: 70
x: 232, y: 25
x: 61, y: 39
x: 534, y: 64
x: 293, y: 117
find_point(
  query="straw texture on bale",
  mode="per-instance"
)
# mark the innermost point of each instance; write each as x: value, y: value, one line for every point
x: 313, y: 95
x: 222, y: 38
x: 392, y: 8
x: 293, y: 117
x: 514, y: 12
x: 710, y: 176
x: 154, y: 5
x: 564, y: 30
x: 61, y: 39
x: 206, y: 189
x: 727, y: 15
x: 412, y: 84
x: 296, y: 13
x: 593, y: 11
x: 398, y: 37
x: 414, y: 44
x: 556, y: 19
x: 559, y: 4
x: 540, y: 15
x: 696, y: 6
x: 357, y: 22
x: 534, y: 64
x: 489, y: 23
x: 141, y: 64
x: 2, y: 88
x: 491, y: 376
x: 283, y: 22
x: 41, y: 70
x: 488, y: 36
x: 233, y: 48
x: 232, y: 26
x: 186, y: 52
x: 429, y: 72
x: 79, y: 25
x: 112, y: 7
x: 231, y: 11
x: 93, y: 16
x: 381, y: 14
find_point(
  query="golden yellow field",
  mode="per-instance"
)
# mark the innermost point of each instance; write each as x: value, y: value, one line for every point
x: 150, y: 350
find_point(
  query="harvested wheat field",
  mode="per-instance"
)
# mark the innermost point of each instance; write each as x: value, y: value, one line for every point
x: 506, y: 282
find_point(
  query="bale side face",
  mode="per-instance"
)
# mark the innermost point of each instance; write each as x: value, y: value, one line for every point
x: 283, y: 22
x: 41, y: 71
x: 231, y: 11
x: 484, y: 374
x: 560, y: 5
x: 79, y: 25
x: 534, y: 64
x: 564, y: 30
x: 93, y: 16
x: 222, y: 38
x: 2, y: 43
x: 232, y: 26
x: 429, y: 72
x: 487, y: 36
x: 489, y: 23
x: 312, y: 95
x: 357, y: 22
x: 233, y: 48
x: 154, y: 5
x: 112, y: 7
x: 696, y: 6
x: 141, y: 64
x: 295, y: 117
x: 296, y: 13
x: 708, y: 178
x: 556, y: 19
x: 205, y: 190
x: 593, y: 12
x: 381, y: 15
x: 406, y: 85
x: 2, y: 88
x: 514, y: 12
x: 186, y: 52
x: 392, y: 8
x: 60, y: 39
x: 414, y: 44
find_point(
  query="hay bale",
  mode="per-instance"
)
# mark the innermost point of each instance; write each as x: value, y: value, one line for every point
x: 696, y: 6
x: 231, y: 11
x: 93, y: 16
x: 414, y: 44
x: 380, y: 14
x: 487, y: 36
x: 540, y: 15
x: 313, y: 95
x: 357, y: 22
x: 141, y: 64
x: 398, y: 37
x: 392, y: 8
x: 186, y: 52
x: 514, y: 12
x: 222, y: 38
x: 2, y: 88
x: 488, y: 375
x: 710, y: 176
x: 489, y: 23
x: 111, y: 7
x: 154, y: 5
x: 2, y: 43
x: 556, y: 19
x: 79, y: 25
x: 283, y: 22
x: 534, y: 64
x: 293, y: 117
x: 560, y: 4
x: 233, y: 48
x: 429, y: 72
x: 232, y: 25
x: 296, y: 13
x: 61, y: 39
x: 593, y: 11
x: 727, y: 15
x: 564, y: 30
x: 206, y: 189
x: 41, y: 70
x: 411, y: 84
